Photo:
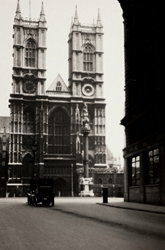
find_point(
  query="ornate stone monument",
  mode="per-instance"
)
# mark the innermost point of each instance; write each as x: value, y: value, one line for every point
x: 86, y: 182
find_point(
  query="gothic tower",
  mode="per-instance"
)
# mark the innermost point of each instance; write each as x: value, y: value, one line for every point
x: 27, y: 119
x: 85, y: 47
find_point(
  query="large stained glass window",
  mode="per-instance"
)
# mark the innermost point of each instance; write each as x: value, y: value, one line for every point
x: 59, y: 133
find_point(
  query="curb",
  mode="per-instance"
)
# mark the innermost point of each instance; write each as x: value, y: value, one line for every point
x: 132, y: 208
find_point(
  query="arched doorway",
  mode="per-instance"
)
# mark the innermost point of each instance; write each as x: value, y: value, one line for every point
x: 28, y: 167
x: 61, y: 187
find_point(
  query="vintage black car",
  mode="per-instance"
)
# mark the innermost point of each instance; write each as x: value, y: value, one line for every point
x: 41, y: 191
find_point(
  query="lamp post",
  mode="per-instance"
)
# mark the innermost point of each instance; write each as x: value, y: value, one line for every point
x: 34, y: 149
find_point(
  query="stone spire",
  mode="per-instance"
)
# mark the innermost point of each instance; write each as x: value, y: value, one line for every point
x: 18, y: 11
x: 71, y: 26
x: 99, y: 24
x: 76, y: 21
x: 42, y: 9
x: 42, y: 14
x: 71, y: 22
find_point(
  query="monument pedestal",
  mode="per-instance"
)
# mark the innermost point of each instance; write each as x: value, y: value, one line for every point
x: 86, y: 187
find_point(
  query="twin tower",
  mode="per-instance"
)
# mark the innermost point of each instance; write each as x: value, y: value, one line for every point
x: 51, y: 119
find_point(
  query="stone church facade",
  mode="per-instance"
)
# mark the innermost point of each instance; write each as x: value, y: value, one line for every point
x: 44, y: 138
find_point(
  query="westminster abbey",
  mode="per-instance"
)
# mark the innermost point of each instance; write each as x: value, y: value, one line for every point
x: 44, y: 138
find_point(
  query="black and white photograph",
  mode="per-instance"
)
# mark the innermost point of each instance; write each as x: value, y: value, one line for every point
x: 82, y: 125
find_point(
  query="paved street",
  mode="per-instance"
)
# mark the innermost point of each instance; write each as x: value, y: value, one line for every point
x: 78, y: 223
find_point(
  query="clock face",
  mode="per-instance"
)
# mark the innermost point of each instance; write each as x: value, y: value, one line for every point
x: 88, y: 90
x: 29, y: 87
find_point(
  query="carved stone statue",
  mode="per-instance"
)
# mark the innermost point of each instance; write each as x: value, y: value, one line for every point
x: 85, y: 109
x: 85, y: 117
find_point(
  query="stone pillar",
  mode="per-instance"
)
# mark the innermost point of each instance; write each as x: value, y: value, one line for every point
x: 47, y: 129
x: 21, y: 129
x: 21, y: 118
x: 10, y: 148
x: 41, y: 134
x: 13, y: 150
x: 85, y: 181
x: 18, y: 150
x: 85, y: 131
x: 86, y: 160
x: 14, y: 109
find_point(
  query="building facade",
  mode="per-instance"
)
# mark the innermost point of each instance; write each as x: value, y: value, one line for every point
x: 144, y: 118
x: 45, y: 125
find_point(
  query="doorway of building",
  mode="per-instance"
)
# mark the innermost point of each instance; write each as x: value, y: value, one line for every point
x: 28, y: 167
x: 61, y: 187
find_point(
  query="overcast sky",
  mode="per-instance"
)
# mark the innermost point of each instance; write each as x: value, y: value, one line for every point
x: 58, y: 15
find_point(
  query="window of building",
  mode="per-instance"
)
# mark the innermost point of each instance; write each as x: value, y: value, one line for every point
x: 30, y: 51
x: 110, y: 181
x: 58, y: 86
x: 88, y: 58
x: 59, y: 133
x: 100, y: 181
x: 3, y: 155
x: 100, y: 158
x: 153, y: 174
x: 135, y: 167
x: 28, y: 120
x: 96, y: 158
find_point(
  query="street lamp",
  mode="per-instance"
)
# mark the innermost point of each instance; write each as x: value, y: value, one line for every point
x: 34, y: 149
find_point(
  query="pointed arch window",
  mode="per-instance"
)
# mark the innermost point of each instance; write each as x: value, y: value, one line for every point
x: 99, y: 181
x: 30, y: 54
x: 28, y: 120
x: 88, y: 58
x: 58, y: 86
x: 110, y: 181
x: 59, y: 133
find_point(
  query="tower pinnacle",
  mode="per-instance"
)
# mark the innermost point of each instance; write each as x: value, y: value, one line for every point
x: 99, y: 19
x: 18, y: 11
x: 71, y: 22
x: 76, y: 21
x: 42, y: 13
x: 42, y: 9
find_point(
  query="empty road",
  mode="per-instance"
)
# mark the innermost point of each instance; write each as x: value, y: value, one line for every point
x: 77, y: 223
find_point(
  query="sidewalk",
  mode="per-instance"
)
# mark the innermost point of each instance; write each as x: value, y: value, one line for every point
x: 135, y: 206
